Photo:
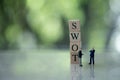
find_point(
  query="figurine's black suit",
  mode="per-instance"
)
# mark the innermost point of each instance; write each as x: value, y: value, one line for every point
x: 80, y: 57
x: 92, y: 52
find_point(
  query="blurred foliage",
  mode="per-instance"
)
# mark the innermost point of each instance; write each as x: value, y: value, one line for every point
x: 46, y: 21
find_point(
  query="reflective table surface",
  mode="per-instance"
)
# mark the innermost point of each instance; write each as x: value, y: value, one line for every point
x: 55, y: 65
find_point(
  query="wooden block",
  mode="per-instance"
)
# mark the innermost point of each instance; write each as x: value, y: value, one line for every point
x: 75, y: 46
x: 75, y: 40
x: 74, y: 58
x: 75, y: 36
x: 74, y: 25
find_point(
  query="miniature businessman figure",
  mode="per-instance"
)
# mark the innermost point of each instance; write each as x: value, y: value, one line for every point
x: 80, y: 57
x: 92, y: 52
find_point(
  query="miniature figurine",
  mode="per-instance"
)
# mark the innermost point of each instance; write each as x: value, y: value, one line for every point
x: 80, y: 57
x: 92, y: 52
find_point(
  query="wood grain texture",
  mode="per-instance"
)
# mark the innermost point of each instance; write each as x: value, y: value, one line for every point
x: 75, y: 40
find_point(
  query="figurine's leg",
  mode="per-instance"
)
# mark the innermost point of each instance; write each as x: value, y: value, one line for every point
x: 90, y: 60
x: 81, y: 62
x: 93, y: 60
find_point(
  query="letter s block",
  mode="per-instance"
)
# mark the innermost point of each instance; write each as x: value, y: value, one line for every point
x: 74, y: 25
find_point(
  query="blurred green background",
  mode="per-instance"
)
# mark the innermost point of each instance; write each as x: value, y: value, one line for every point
x: 35, y: 24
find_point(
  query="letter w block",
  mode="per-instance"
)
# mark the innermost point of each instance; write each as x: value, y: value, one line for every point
x: 75, y: 36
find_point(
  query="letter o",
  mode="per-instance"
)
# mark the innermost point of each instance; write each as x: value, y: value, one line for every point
x: 74, y: 47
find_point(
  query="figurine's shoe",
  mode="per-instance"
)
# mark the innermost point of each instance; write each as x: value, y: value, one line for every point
x: 81, y: 65
x: 89, y: 63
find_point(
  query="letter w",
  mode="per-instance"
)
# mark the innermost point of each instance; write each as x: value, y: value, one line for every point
x: 74, y: 35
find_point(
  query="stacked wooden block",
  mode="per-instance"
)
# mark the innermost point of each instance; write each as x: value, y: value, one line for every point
x: 75, y: 40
